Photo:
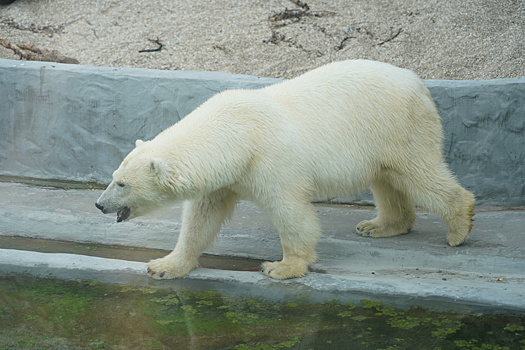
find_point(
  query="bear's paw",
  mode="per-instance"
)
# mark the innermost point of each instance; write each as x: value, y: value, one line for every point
x: 372, y: 229
x: 168, y: 268
x: 284, y: 270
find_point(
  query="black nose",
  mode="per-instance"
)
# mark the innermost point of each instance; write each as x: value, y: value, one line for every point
x: 101, y: 207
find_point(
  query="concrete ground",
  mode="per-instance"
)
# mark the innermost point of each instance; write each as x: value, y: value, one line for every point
x: 488, y: 270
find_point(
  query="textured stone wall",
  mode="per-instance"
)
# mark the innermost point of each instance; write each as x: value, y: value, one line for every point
x: 72, y: 122
x: 484, y: 145
x: 76, y: 122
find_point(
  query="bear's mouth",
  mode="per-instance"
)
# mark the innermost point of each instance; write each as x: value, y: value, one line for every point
x: 123, y: 214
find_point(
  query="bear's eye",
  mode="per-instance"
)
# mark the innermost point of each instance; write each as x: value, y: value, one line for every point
x: 120, y: 184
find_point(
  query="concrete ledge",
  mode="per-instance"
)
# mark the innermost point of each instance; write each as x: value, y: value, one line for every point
x: 427, y: 291
x: 73, y: 122
x: 486, y: 270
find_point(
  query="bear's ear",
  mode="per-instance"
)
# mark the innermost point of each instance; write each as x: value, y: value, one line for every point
x: 138, y: 143
x: 159, y: 167
x: 166, y: 175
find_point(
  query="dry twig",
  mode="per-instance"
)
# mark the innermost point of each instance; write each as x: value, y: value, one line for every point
x: 45, y: 29
x: 301, y: 4
x: 33, y: 53
x: 342, y: 44
x: 155, y: 49
x: 287, y: 16
x: 392, y: 36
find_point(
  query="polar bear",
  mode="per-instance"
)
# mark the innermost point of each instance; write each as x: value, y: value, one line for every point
x: 335, y: 130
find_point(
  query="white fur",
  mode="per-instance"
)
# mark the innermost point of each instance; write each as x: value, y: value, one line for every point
x: 335, y: 130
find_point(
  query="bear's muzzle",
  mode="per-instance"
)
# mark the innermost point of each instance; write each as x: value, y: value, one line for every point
x: 122, y: 213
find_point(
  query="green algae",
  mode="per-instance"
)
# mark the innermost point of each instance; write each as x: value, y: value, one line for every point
x: 48, y: 314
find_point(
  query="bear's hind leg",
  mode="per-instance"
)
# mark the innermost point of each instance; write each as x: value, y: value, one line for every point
x: 396, y: 214
x: 299, y: 230
x: 460, y: 221
x: 202, y: 219
x: 438, y: 192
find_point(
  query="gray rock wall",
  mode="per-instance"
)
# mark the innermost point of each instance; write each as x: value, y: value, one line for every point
x: 484, y: 123
x: 76, y: 122
x: 72, y: 122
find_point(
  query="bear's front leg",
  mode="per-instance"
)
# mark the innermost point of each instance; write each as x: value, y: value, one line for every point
x: 299, y: 231
x: 201, y: 221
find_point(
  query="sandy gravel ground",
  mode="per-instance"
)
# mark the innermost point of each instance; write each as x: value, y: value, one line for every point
x: 438, y: 39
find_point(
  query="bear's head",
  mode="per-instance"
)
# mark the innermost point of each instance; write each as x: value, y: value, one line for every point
x: 141, y: 184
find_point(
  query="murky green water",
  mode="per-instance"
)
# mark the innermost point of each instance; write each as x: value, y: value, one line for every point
x: 56, y: 314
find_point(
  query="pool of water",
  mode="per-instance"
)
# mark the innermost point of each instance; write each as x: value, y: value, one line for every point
x: 39, y: 313
x: 123, y: 253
